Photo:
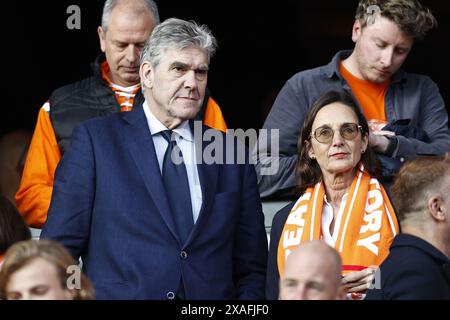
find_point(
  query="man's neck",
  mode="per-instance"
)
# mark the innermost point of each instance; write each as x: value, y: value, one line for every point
x: 169, y: 122
x: 336, y: 185
x: 351, y: 65
x: 428, y: 233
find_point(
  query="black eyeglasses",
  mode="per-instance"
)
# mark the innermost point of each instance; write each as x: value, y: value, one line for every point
x: 325, y: 134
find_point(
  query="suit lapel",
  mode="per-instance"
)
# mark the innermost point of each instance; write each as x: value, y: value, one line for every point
x: 138, y: 139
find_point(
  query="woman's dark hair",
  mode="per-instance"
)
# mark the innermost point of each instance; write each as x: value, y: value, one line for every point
x: 12, y: 225
x: 308, y: 170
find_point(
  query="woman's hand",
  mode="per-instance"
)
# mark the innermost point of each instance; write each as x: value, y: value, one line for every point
x: 359, y: 281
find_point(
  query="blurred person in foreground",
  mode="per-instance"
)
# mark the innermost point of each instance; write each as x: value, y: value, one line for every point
x: 313, y: 271
x: 418, y: 266
x: 42, y: 270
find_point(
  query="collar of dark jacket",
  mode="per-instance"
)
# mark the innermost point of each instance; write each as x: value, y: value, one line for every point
x: 96, y: 65
x: 332, y: 69
x: 96, y: 68
x: 408, y: 240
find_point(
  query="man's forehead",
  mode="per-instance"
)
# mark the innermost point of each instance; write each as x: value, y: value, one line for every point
x: 190, y: 56
x: 305, y: 277
x: 388, y: 31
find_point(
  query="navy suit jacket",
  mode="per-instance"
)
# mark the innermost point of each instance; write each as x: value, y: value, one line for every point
x: 109, y: 207
x: 414, y: 269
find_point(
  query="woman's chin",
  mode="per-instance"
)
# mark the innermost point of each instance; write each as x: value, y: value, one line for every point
x: 341, y: 167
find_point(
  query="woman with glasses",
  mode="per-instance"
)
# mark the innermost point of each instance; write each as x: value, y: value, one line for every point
x: 340, y: 199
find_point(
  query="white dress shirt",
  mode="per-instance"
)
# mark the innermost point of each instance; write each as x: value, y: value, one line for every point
x: 327, y: 218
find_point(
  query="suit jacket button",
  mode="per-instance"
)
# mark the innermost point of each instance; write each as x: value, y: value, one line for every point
x: 183, y: 255
x: 170, y: 295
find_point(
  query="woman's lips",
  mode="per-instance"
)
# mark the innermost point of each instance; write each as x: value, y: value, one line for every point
x: 339, y: 155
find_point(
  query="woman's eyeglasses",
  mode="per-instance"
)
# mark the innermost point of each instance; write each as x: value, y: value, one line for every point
x: 325, y: 134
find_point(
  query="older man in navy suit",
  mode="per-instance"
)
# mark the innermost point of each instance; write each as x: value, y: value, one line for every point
x: 418, y: 266
x: 149, y: 217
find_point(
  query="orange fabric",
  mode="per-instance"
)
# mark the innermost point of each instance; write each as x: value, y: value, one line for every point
x: 35, y: 190
x: 370, y: 95
x: 366, y: 229
x: 125, y: 99
x: 213, y: 116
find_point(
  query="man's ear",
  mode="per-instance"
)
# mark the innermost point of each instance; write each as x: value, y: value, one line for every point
x: 101, y: 36
x: 437, y: 208
x: 146, y: 73
x: 356, y: 30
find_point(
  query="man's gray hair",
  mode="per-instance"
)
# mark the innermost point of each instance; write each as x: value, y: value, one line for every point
x: 179, y: 34
x: 110, y: 4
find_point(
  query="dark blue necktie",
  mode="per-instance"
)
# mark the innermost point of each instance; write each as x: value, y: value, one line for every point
x: 177, y: 187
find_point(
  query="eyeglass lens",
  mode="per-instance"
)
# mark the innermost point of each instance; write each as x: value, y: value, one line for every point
x: 325, y: 134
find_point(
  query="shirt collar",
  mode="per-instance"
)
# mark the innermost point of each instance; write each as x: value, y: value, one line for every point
x: 156, y: 126
x: 344, y: 198
x: 333, y: 67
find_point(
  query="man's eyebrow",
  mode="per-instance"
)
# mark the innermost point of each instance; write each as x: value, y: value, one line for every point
x: 377, y: 38
x: 179, y: 64
x: 289, y: 280
x: 400, y: 46
x: 203, y: 68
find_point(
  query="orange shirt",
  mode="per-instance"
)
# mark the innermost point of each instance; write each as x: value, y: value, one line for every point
x: 35, y: 190
x: 370, y: 95
x: 124, y: 96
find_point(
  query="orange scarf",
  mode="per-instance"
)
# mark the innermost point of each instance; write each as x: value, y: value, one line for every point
x: 366, y: 228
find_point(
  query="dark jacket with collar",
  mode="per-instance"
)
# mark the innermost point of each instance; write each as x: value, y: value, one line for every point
x: 80, y: 101
x: 414, y: 269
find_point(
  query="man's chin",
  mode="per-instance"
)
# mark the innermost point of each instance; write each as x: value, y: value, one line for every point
x: 130, y: 79
x: 379, y: 77
x: 189, y: 112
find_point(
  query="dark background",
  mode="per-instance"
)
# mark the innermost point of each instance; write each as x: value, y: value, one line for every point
x: 260, y: 46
